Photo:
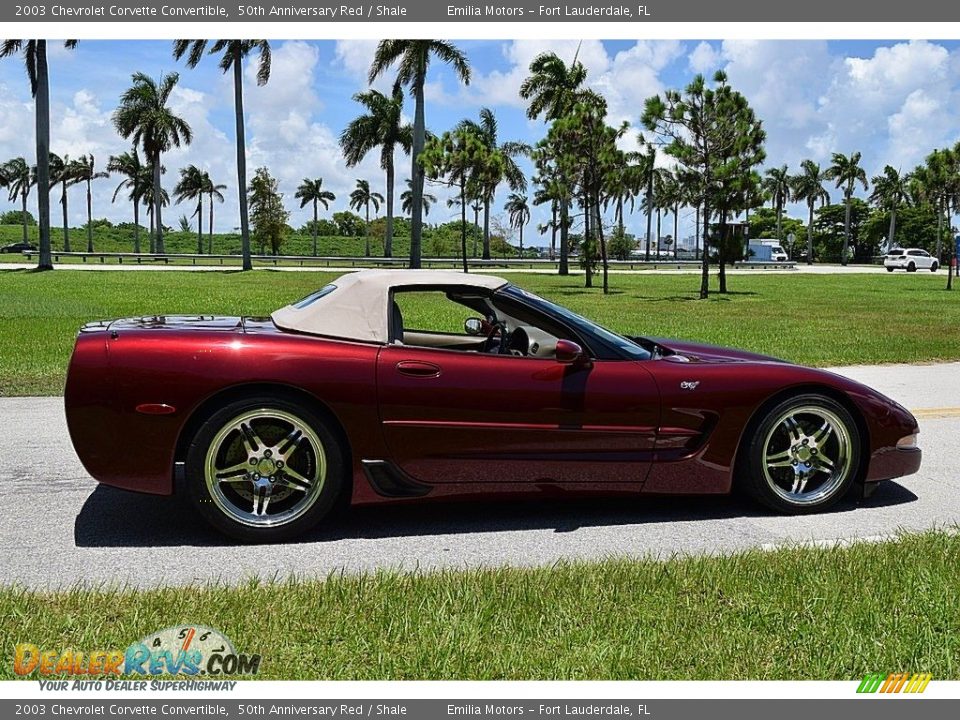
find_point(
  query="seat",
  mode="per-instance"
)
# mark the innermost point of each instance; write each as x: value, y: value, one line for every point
x: 396, y: 324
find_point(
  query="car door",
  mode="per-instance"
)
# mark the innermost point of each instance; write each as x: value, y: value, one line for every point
x: 469, y: 417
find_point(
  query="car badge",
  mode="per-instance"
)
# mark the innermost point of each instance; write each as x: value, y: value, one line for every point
x: 689, y: 384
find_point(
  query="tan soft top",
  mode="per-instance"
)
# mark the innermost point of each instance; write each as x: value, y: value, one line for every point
x: 356, y: 306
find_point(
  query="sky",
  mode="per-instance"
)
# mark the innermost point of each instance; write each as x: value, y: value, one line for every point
x: 894, y: 101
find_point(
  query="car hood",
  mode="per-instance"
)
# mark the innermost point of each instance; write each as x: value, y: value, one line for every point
x: 684, y: 350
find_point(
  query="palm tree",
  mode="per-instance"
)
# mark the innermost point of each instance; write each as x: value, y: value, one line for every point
x: 623, y: 186
x: 144, y: 117
x: 671, y: 196
x: 413, y: 58
x: 16, y: 174
x: 148, y: 200
x: 129, y: 166
x: 551, y: 90
x: 519, y: 211
x: 362, y: 197
x: 311, y: 191
x: 553, y: 87
x: 62, y: 172
x: 541, y: 196
x: 500, y: 166
x: 212, y: 190
x: 35, y: 58
x: 382, y: 126
x: 847, y: 173
x: 234, y: 53
x: 655, y: 201
x: 406, y: 200
x: 192, y: 187
x: 891, y: 190
x: 85, y: 172
x: 776, y: 183
x: 808, y: 187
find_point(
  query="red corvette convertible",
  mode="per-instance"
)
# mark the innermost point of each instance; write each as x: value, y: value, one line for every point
x: 389, y: 386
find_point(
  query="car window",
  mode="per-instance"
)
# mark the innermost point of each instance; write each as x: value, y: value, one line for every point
x: 913, y: 253
x: 895, y: 253
x: 314, y: 296
x: 432, y: 311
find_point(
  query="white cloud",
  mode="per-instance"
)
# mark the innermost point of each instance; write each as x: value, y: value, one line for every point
x: 896, y: 103
x: 704, y: 58
x: 355, y: 56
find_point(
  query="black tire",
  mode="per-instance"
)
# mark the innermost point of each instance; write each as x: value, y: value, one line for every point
x: 911, y: 267
x: 889, y: 269
x: 305, y: 511
x: 760, y: 481
x: 934, y: 267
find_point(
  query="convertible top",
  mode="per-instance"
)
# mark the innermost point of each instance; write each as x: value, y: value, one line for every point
x: 356, y: 306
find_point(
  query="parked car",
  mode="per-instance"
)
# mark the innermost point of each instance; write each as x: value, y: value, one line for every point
x: 910, y: 259
x: 17, y: 247
x: 360, y: 393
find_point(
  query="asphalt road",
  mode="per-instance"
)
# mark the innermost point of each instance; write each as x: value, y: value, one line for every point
x: 61, y: 528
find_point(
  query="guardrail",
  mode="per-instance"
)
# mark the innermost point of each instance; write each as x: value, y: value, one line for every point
x: 381, y: 262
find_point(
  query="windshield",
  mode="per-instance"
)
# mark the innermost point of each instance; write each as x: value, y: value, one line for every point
x: 579, y: 323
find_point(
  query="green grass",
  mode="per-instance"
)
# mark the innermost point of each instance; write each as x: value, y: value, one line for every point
x: 792, y: 614
x: 818, y: 320
x: 114, y: 240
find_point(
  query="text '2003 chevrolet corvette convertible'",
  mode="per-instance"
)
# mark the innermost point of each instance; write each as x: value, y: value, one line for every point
x: 402, y: 385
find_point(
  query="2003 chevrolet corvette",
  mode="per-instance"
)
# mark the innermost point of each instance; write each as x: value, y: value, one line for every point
x: 271, y: 422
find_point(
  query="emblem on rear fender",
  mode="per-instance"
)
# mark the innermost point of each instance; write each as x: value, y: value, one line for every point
x: 689, y: 384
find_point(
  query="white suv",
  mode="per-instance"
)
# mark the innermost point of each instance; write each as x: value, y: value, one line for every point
x: 910, y: 259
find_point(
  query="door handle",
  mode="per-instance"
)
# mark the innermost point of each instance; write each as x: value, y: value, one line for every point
x: 418, y: 368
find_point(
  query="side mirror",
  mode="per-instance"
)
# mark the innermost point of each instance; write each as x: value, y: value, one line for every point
x: 569, y: 352
x: 473, y: 326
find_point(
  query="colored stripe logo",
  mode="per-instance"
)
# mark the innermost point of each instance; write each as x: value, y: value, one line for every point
x: 895, y: 683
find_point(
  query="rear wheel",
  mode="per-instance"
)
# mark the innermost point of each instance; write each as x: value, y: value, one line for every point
x: 803, y: 456
x: 264, y: 469
x: 889, y: 269
x: 911, y: 267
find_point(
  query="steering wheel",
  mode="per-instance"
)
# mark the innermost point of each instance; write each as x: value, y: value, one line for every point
x: 495, y: 327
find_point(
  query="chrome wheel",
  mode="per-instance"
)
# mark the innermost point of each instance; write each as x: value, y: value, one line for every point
x: 265, y: 468
x: 807, y: 455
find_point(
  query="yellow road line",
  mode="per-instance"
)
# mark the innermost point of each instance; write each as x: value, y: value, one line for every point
x: 936, y: 413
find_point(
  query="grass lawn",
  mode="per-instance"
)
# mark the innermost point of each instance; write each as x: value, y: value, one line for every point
x: 812, y: 319
x: 792, y: 614
x: 120, y: 240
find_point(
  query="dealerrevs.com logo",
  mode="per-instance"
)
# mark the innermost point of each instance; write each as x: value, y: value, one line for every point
x: 191, y: 650
x: 910, y: 683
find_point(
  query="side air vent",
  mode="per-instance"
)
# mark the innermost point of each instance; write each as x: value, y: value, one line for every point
x: 390, y: 481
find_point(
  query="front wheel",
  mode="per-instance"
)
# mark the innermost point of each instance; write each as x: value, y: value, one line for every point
x: 934, y: 267
x: 803, y: 455
x: 264, y: 470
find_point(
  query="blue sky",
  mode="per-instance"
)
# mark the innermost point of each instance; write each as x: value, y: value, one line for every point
x: 894, y: 101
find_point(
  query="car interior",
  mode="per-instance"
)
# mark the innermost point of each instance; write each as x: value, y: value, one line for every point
x: 468, y: 321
